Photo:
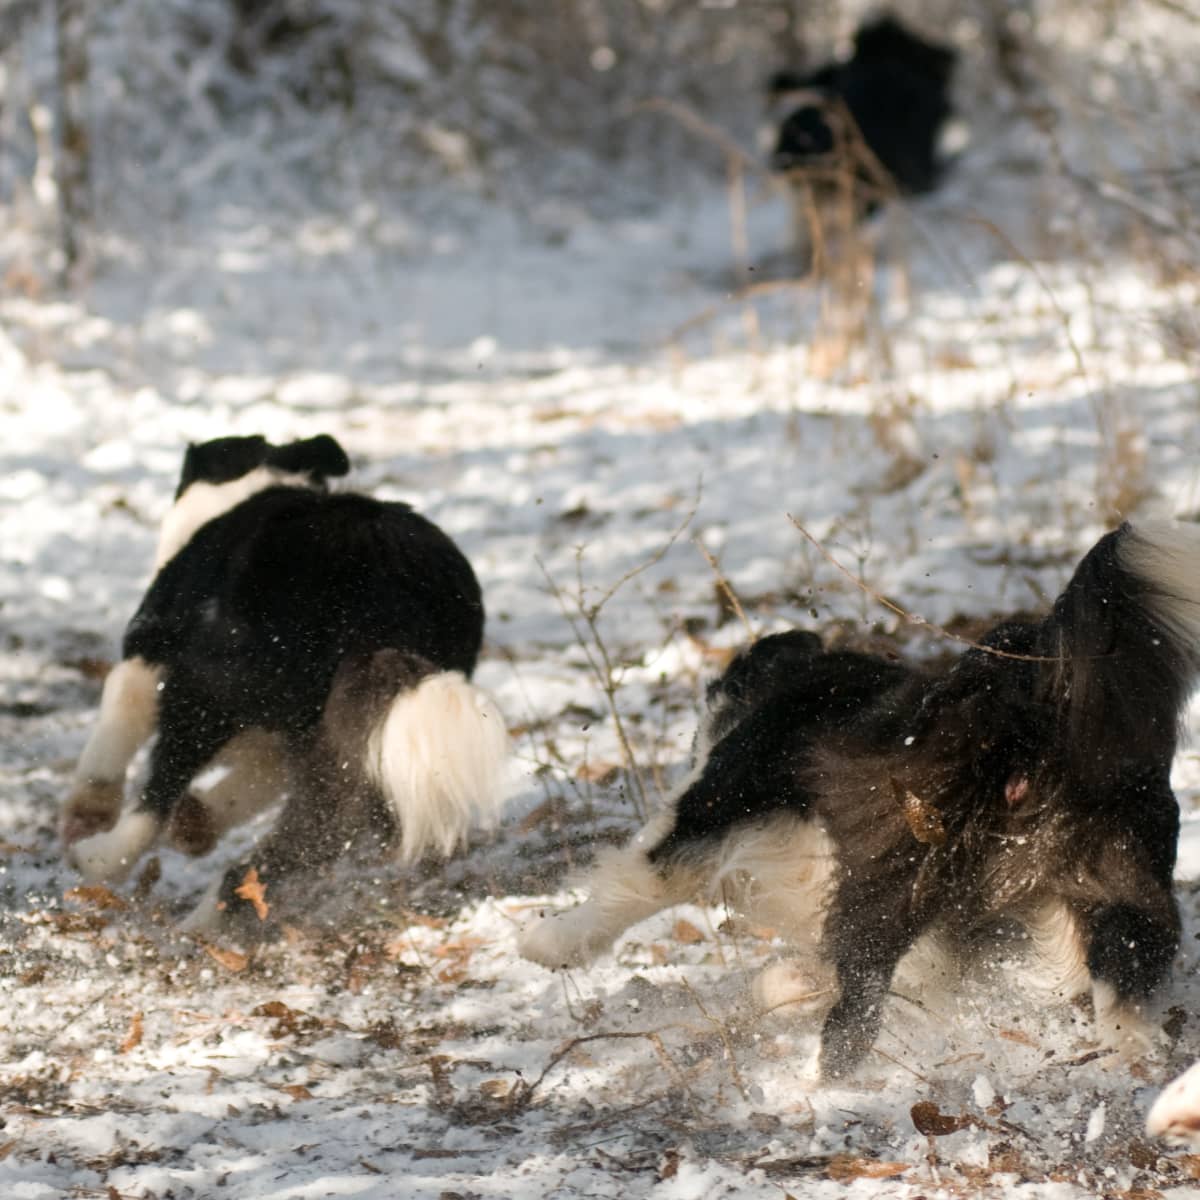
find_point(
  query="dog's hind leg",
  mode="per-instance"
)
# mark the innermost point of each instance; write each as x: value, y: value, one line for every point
x: 318, y: 820
x: 128, y: 713
x: 1129, y: 953
x: 868, y: 930
x: 253, y: 775
x: 677, y: 856
x: 192, y: 729
x: 624, y: 887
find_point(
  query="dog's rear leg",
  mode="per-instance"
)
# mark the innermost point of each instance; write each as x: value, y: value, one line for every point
x: 624, y: 887
x: 128, y: 712
x: 323, y: 813
x: 1129, y: 954
x: 191, y: 731
x: 254, y: 777
x: 868, y: 930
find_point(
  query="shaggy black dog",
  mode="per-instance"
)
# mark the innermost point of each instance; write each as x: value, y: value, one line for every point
x: 891, y: 97
x: 310, y: 642
x: 859, y: 805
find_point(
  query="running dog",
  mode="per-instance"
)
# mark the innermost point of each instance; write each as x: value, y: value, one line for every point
x: 316, y: 645
x: 860, y: 805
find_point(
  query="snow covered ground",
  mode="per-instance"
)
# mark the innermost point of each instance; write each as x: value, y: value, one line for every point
x: 571, y: 401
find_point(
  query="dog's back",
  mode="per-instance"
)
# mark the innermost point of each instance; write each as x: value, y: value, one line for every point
x: 266, y: 600
x: 896, y: 89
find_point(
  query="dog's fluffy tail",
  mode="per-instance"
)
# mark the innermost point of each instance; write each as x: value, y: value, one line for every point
x: 1126, y: 635
x: 439, y: 754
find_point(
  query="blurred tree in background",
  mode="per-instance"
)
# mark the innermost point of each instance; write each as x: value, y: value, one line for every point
x: 336, y: 102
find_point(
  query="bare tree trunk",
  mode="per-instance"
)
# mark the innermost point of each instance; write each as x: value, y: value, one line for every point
x: 74, y: 149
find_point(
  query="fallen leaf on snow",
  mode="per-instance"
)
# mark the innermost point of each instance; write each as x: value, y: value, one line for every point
x: 133, y: 1039
x: 231, y: 960
x: 97, y: 895
x: 253, y: 889
x: 932, y: 1122
x: 844, y: 1167
x: 686, y: 932
x: 1015, y: 1035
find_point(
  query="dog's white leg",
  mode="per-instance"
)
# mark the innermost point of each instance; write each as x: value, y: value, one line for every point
x: 109, y: 857
x: 803, y: 986
x: 1122, y: 1025
x: 623, y: 888
x: 1058, y: 963
x: 128, y: 713
x: 206, y: 916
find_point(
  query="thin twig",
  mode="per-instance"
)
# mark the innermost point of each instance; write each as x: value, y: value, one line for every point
x: 726, y: 589
x: 522, y: 1094
x: 911, y: 618
x: 723, y: 1034
x: 594, y: 647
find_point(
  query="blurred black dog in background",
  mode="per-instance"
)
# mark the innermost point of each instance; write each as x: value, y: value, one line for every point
x: 891, y: 99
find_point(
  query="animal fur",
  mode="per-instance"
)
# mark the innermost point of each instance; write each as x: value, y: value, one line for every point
x: 306, y: 643
x: 875, y: 119
x: 1029, y: 783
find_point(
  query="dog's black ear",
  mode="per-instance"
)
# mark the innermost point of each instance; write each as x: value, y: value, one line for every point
x: 320, y: 457
x: 221, y: 460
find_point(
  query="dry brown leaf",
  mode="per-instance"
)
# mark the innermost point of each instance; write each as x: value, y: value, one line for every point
x: 602, y: 773
x: 495, y: 1089
x: 932, y: 1122
x: 459, y: 948
x: 544, y: 812
x: 273, y: 1008
x: 845, y: 1167
x: 386, y: 1034
x: 97, y: 895
x: 231, y: 960
x: 923, y: 818
x: 297, y: 1091
x: 7, y: 1149
x: 253, y: 889
x: 133, y: 1039
x: 686, y: 932
x: 668, y: 1166
x: 1190, y: 1164
x: 1016, y: 1035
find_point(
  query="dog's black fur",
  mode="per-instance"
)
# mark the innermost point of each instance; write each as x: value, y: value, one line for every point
x: 895, y: 90
x: 1033, y: 772
x: 305, y: 613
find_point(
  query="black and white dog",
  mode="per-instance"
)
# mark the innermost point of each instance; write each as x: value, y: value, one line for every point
x: 311, y: 643
x: 860, y: 806
x: 891, y: 97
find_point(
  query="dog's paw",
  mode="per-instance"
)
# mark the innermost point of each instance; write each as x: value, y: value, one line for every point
x: 92, y: 807
x: 801, y: 987
x: 109, y: 857
x: 566, y: 939
x: 1124, y: 1027
x: 207, y: 917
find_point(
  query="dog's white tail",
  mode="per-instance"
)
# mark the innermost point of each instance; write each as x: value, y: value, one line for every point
x: 440, y: 755
x: 1165, y: 555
